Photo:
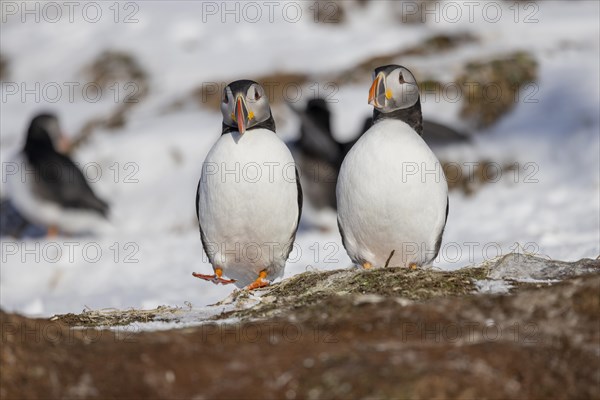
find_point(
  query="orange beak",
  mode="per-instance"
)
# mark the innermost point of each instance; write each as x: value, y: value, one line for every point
x: 376, y: 91
x: 241, y: 115
x: 64, y: 144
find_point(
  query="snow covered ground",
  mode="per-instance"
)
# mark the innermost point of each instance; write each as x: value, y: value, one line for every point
x: 149, y: 168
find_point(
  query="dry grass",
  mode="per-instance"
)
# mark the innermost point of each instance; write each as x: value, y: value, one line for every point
x: 114, y: 317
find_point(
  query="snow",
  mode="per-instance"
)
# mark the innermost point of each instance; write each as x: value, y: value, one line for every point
x: 151, y: 166
x: 491, y: 286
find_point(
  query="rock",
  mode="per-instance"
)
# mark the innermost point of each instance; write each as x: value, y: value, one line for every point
x: 535, y: 343
x: 522, y: 267
x: 492, y: 88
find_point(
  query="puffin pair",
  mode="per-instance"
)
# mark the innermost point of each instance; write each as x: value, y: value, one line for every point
x: 48, y: 189
x: 392, y: 196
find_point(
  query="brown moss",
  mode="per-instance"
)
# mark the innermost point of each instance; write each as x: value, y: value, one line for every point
x: 471, y: 180
x: 491, y: 88
x: 312, y: 288
x: 115, y: 73
x: 432, y: 45
x: 114, y: 66
x: 3, y: 67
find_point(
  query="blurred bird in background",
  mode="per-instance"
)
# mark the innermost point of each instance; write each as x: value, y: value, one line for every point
x: 48, y: 193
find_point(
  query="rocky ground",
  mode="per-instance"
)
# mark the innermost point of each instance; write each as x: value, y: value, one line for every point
x: 519, y: 327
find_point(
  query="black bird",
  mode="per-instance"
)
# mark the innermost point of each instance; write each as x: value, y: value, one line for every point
x: 318, y: 154
x: 49, y: 189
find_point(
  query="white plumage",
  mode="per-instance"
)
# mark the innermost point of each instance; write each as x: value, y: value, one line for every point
x: 36, y: 209
x: 248, y: 204
x: 392, y: 196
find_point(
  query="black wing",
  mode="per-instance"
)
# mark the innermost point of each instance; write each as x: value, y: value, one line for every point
x: 438, y: 242
x: 300, y: 201
x: 436, y: 134
x: 59, y: 180
x: 202, y: 237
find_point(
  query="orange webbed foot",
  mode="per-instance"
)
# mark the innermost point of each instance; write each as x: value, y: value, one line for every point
x: 261, y: 281
x: 216, y: 278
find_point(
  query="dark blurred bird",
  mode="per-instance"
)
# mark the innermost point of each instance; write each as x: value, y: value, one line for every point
x: 48, y: 188
x: 319, y: 155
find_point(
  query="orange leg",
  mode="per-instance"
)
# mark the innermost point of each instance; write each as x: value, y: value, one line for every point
x: 261, y: 281
x: 367, y: 265
x: 216, y: 278
x: 52, y: 231
x: 413, y: 265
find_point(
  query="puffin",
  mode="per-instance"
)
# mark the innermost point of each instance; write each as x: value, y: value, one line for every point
x: 392, y: 195
x: 249, y: 198
x: 50, y: 190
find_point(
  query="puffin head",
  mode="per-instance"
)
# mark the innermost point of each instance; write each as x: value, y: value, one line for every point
x: 244, y: 105
x: 394, y: 88
x: 44, y: 132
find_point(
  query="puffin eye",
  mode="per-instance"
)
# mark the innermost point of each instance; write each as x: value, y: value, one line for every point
x: 257, y: 94
x: 225, y: 97
x: 401, y: 78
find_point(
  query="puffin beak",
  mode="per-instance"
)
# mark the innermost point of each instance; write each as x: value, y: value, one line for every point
x: 241, y: 114
x: 64, y: 144
x: 377, y: 91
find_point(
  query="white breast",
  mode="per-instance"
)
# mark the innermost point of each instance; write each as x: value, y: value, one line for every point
x: 21, y: 189
x: 248, y: 206
x: 392, y: 195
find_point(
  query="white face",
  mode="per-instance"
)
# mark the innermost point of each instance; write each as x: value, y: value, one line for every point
x: 245, y: 110
x: 393, y: 91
